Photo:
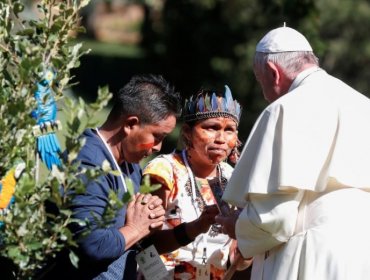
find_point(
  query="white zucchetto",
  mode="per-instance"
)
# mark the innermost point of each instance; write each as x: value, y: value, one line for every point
x: 283, y: 39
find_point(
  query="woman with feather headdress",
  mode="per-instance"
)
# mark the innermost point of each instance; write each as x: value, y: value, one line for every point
x: 194, y: 246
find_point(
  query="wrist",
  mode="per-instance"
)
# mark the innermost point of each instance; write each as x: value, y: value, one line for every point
x: 194, y: 228
x: 131, y: 235
x: 183, y: 234
x: 244, y: 263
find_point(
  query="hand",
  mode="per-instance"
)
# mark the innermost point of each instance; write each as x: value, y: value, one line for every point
x: 207, y: 218
x: 202, y: 224
x: 228, y: 223
x: 144, y: 213
x: 236, y: 257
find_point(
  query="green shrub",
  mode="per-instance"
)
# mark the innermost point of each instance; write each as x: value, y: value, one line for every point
x: 31, y: 235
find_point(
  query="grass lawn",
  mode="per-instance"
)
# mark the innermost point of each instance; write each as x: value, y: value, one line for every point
x: 110, y: 49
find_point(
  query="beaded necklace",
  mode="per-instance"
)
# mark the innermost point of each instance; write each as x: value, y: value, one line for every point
x: 194, y: 191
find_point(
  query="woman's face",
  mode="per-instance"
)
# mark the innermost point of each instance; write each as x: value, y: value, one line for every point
x: 211, y: 140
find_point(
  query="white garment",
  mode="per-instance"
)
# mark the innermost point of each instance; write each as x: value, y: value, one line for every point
x: 301, y: 180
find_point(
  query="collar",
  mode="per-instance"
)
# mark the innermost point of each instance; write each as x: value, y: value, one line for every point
x: 303, y: 75
x: 126, y: 167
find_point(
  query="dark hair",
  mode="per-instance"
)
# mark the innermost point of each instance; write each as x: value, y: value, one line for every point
x: 149, y: 96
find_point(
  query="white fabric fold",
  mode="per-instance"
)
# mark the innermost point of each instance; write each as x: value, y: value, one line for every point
x: 266, y: 222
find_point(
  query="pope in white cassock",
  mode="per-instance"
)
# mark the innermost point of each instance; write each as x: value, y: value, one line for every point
x: 303, y: 179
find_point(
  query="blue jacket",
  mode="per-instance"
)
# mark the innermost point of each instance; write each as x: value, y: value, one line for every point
x: 102, y: 246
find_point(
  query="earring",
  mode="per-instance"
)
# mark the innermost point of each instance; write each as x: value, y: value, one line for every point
x: 235, y: 153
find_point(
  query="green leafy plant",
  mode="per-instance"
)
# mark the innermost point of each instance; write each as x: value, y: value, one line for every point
x: 36, y: 227
x: 32, y: 232
x: 147, y: 187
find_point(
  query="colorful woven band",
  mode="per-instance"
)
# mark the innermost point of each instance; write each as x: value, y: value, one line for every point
x: 209, y: 104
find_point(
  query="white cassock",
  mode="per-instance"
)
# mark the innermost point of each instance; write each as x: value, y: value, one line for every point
x: 303, y: 181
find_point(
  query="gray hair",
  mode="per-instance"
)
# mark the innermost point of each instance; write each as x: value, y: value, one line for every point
x: 291, y: 62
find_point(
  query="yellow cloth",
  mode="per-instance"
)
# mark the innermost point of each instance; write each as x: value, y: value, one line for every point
x: 8, y: 188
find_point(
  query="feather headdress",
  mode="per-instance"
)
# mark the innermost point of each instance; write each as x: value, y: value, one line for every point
x: 210, y: 104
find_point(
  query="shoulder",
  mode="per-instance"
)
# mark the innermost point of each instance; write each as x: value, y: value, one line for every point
x: 167, y: 161
x: 162, y: 165
x: 269, y: 117
x: 93, y: 150
x: 164, y: 168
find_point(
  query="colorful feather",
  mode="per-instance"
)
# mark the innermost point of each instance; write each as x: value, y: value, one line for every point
x: 214, y: 102
x: 207, y: 101
x: 229, y: 100
x: 201, y: 104
x: 228, y: 96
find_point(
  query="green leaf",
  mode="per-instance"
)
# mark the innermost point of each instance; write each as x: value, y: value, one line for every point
x: 13, y: 251
x: 75, y: 125
x: 115, y: 172
x: 26, y: 32
x: 81, y: 29
x: 34, y: 245
x: 74, y: 259
x: 130, y: 191
x: 18, y: 8
x: 25, y: 186
x: 107, y: 168
x: 57, y: 25
x: 84, y: 3
x: 146, y: 187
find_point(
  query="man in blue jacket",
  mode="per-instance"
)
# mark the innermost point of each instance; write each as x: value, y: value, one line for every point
x: 144, y: 113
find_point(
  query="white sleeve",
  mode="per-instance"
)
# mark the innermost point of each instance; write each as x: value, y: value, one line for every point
x: 266, y: 221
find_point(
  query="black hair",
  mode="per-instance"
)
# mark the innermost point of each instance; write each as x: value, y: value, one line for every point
x: 149, y: 96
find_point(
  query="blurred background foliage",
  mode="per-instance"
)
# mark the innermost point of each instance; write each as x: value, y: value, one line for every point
x: 209, y: 43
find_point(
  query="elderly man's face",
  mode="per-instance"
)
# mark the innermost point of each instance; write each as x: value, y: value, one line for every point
x: 272, y: 81
x: 267, y: 84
